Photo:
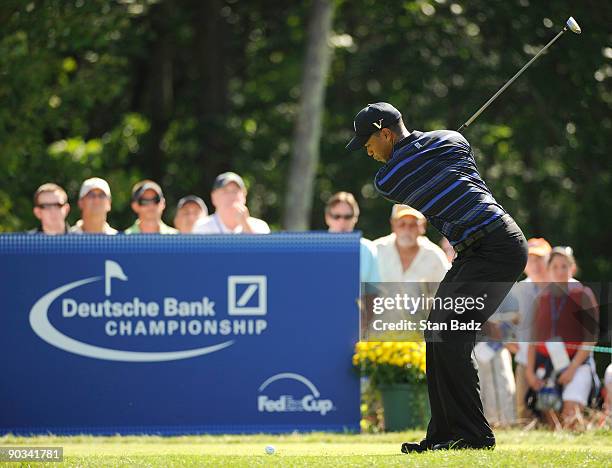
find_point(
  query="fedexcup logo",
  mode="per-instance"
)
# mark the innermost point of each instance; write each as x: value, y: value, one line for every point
x: 285, y: 403
x: 139, y: 318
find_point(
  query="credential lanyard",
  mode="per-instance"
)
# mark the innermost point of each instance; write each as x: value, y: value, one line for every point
x: 555, y: 311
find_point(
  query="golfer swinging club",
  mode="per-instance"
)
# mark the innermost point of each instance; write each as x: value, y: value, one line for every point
x: 435, y: 172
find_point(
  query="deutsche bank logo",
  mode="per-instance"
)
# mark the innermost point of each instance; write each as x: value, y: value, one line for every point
x: 246, y: 295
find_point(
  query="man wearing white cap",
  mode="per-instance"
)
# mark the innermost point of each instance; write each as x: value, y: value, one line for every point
x: 231, y: 213
x: 95, y: 204
x: 407, y: 255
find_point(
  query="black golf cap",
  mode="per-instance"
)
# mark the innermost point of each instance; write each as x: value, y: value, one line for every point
x: 370, y: 119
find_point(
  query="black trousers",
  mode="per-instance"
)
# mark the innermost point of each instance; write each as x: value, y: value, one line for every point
x: 487, y: 269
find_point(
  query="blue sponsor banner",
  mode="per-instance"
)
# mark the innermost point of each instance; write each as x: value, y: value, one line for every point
x: 178, y: 334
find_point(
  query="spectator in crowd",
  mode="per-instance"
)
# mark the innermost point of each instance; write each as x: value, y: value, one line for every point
x: 51, y: 208
x: 188, y: 210
x: 341, y: 215
x: 229, y: 196
x: 148, y: 203
x: 409, y: 265
x: 567, y: 313
x: 608, y: 392
x: 497, y: 384
x: 406, y: 255
x: 95, y: 204
x: 448, y: 249
x: 527, y: 292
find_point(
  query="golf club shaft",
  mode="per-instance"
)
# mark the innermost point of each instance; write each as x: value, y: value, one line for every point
x: 510, y: 81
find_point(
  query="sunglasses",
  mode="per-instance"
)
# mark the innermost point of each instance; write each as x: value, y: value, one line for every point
x: 340, y: 216
x: 46, y: 206
x: 149, y: 201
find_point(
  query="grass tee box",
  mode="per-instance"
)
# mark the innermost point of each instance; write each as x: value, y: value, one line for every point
x: 515, y: 448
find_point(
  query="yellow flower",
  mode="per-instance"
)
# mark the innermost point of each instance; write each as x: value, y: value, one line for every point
x: 364, y: 407
x: 390, y: 361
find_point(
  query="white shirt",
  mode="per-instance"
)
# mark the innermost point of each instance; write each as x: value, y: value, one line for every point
x: 429, y: 265
x: 78, y: 229
x: 213, y: 225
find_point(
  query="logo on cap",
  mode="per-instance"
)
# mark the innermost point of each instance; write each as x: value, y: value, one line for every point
x: 379, y: 124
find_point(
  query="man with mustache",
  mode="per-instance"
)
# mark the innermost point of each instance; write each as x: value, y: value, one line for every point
x: 407, y: 254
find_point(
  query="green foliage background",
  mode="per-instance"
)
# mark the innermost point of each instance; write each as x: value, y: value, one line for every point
x: 181, y: 91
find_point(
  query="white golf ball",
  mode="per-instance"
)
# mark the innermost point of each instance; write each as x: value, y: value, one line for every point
x: 270, y: 449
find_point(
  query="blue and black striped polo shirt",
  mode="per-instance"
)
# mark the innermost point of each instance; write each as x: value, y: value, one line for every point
x: 435, y: 172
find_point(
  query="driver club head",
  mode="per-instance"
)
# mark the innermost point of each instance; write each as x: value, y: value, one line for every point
x: 572, y: 24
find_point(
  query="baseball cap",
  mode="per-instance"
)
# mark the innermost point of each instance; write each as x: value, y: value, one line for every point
x: 539, y: 246
x: 563, y: 250
x: 192, y: 199
x: 94, y: 183
x: 399, y: 211
x: 370, y: 119
x: 226, y: 178
x: 144, y: 185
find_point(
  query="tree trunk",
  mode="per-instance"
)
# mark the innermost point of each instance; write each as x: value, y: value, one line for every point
x: 307, y: 130
x: 161, y: 97
x: 211, y: 65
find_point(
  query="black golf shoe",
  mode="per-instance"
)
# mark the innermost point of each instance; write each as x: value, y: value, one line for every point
x: 461, y: 444
x: 415, y: 447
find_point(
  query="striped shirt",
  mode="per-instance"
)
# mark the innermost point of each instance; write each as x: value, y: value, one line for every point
x: 435, y: 172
